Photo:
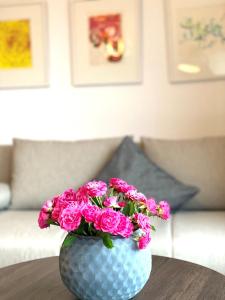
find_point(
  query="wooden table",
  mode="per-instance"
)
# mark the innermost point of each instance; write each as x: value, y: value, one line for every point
x: 170, y: 279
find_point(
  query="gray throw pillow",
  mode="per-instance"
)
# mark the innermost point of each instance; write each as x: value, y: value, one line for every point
x: 131, y: 164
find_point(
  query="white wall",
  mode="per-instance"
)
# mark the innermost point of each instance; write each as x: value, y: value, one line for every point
x: 154, y: 108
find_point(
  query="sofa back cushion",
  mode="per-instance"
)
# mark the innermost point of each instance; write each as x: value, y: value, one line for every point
x: 5, y: 163
x: 199, y: 162
x: 42, y: 169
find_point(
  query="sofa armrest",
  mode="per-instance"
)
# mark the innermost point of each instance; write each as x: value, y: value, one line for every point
x: 5, y: 195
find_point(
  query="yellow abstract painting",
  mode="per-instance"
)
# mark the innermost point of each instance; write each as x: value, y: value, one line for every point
x: 15, y: 44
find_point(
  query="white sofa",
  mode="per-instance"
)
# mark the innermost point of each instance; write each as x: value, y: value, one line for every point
x: 197, y: 236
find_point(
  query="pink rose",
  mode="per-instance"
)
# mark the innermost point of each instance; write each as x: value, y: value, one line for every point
x: 43, y: 219
x: 90, y: 213
x: 151, y: 206
x: 144, y: 241
x: 107, y: 220
x: 120, y: 185
x: 164, y: 210
x: 70, y: 218
x: 143, y: 221
x: 125, y: 228
x: 111, y: 202
x: 135, y: 196
x: 47, y: 206
x: 96, y: 188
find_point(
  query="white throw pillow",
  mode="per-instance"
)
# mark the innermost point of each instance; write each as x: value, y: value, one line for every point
x: 5, y: 195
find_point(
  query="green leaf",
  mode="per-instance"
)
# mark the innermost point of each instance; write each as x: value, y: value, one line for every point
x: 129, y: 209
x: 132, y: 209
x: 126, y: 209
x: 107, y: 241
x: 51, y: 222
x: 68, y: 240
x: 153, y: 228
x: 81, y: 229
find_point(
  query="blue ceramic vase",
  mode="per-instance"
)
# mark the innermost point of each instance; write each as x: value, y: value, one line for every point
x: 93, y: 272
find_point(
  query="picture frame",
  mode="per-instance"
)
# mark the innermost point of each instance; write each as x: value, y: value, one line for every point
x: 106, y: 42
x: 195, y: 32
x: 23, y: 33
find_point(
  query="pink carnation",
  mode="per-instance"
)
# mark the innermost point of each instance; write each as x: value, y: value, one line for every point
x: 96, y: 188
x: 90, y: 213
x: 122, y: 204
x: 82, y: 196
x: 67, y: 197
x: 47, y: 206
x: 135, y: 196
x: 143, y: 221
x: 107, y: 220
x: 111, y: 202
x: 120, y: 185
x: 164, y: 210
x: 43, y: 219
x: 70, y: 218
x: 56, y: 209
x: 151, y: 206
x: 125, y: 228
x: 144, y: 241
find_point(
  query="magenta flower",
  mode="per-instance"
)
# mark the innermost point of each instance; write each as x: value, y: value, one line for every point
x: 56, y: 208
x: 107, y: 220
x: 43, y: 219
x: 125, y: 228
x: 164, y: 210
x: 143, y: 221
x: 110, y: 202
x: 70, y: 218
x: 82, y: 196
x: 47, y: 206
x: 122, y: 204
x: 135, y: 196
x: 144, y: 241
x: 90, y: 213
x: 151, y: 206
x: 67, y: 197
x: 96, y: 188
x: 120, y: 185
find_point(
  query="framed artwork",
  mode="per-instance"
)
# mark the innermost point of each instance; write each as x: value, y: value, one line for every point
x: 105, y: 41
x: 196, y: 39
x: 23, y: 44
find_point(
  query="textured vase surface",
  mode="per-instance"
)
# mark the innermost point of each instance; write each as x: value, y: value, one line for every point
x: 93, y: 272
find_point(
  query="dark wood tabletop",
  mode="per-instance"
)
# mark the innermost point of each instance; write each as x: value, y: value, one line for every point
x: 170, y: 279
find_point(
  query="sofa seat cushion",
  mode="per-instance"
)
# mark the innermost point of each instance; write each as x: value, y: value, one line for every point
x: 161, y: 242
x: 42, y: 169
x: 199, y: 237
x: 21, y: 239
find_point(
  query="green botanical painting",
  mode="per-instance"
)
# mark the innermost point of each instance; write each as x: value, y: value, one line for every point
x: 205, y: 33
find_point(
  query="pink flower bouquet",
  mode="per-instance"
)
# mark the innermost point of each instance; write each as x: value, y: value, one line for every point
x: 98, y: 209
